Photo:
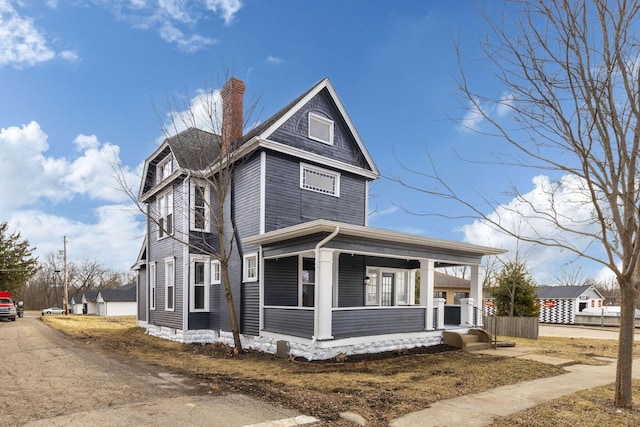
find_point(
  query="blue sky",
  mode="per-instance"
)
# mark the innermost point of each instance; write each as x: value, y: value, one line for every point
x: 85, y: 81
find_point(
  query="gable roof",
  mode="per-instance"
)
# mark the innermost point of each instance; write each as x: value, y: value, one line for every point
x: 564, y: 292
x: 443, y: 280
x: 126, y: 293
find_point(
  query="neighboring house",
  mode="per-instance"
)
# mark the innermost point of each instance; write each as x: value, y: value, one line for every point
x: 89, y: 302
x: 117, y: 302
x: 75, y: 304
x: 307, y: 271
x: 453, y: 289
x: 560, y: 304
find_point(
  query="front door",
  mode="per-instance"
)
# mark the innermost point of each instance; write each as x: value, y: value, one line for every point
x: 387, y: 289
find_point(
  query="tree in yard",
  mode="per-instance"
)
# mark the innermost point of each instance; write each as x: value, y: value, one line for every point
x: 17, y: 263
x: 569, y: 104
x: 515, y: 291
x: 205, y: 135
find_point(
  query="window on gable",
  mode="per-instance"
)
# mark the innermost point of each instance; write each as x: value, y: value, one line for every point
x: 319, y: 180
x: 165, y: 167
x: 199, y: 207
x: 165, y: 215
x: 250, y: 270
x: 320, y: 128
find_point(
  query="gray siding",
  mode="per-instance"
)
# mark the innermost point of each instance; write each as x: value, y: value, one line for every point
x: 141, y: 296
x: 294, y: 322
x: 351, y: 272
x: 281, y: 281
x: 287, y: 204
x: 217, y: 291
x: 250, y: 309
x: 294, y: 132
x: 358, y: 323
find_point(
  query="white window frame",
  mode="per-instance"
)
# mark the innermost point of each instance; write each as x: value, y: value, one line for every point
x: 165, y: 168
x: 322, y: 121
x: 250, y: 274
x: 169, y: 283
x: 165, y: 211
x: 192, y: 206
x: 304, y: 167
x: 373, y: 273
x: 216, y: 272
x: 152, y: 285
x: 192, y: 283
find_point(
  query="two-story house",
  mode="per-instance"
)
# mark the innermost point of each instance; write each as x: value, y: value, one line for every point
x: 307, y: 272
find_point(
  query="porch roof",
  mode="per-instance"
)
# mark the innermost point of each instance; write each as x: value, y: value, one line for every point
x: 359, y: 232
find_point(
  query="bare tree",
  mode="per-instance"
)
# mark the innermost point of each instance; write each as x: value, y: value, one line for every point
x: 571, y: 90
x: 209, y: 151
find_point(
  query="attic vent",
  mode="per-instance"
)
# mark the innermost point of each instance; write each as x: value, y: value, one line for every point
x: 320, y: 128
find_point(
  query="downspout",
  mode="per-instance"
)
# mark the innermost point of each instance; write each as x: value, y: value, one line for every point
x: 320, y: 244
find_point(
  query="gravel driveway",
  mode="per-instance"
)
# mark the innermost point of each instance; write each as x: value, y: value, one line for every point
x: 55, y: 381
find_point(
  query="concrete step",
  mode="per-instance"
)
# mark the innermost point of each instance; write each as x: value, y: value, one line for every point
x: 476, y: 346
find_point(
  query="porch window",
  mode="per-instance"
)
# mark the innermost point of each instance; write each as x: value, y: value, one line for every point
x: 371, y: 291
x: 170, y: 284
x: 308, y: 282
x: 199, y: 285
x: 165, y: 213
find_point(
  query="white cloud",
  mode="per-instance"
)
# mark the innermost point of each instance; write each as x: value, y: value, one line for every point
x: 226, y: 8
x: 524, y: 215
x: 274, y: 60
x: 478, y: 112
x: 472, y: 119
x: 203, y: 112
x: 111, y: 227
x: 171, y: 34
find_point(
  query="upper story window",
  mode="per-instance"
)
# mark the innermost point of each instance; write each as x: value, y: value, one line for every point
x: 216, y: 276
x: 319, y: 180
x: 320, y: 128
x: 165, y: 214
x: 199, y: 202
x: 165, y: 167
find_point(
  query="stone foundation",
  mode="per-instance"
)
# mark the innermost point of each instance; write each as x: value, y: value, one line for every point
x: 310, y: 350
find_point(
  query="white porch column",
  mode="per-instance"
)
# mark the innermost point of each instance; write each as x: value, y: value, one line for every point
x: 439, y: 302
x: 476, y: 292
x: 426, y: 291
x: 466, y: 312
x: 323, y: 294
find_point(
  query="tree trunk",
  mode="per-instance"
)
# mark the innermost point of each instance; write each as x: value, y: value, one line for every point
x: 623, y: 392
x: 235, y: 330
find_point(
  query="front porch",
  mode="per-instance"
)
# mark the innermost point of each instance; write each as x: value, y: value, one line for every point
x: 328, y: 285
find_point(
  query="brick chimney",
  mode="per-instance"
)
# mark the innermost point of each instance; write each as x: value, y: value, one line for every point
x: 232, y: 112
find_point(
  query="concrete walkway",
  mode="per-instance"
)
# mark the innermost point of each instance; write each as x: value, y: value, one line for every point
x: 482, y: 409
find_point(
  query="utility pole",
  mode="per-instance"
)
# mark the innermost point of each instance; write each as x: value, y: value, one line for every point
x: 66, y: 290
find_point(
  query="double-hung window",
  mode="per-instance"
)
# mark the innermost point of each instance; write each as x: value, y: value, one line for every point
x: 165, y: 213
x: 165, y: 167
x: 320, y: 180
x: 216, y: 273
x: 199, y: 300
x: 250, y: 268
x: 199, y: 201
x: 170, y: 284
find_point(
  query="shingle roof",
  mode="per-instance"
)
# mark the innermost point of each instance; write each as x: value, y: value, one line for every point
x: 126, y: 293
x: 442, y: 280
x: 560, y: 292
x: 195, y: 149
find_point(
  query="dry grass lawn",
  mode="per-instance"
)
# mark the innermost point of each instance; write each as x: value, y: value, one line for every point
x: 379, y: 391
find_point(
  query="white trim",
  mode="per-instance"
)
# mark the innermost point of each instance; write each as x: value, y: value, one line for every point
x: 245, y: 267
x: 167, y: 283
x: 366, y: 203
x: 205, y: 260
x: 263, y: 190
x: 323, y: 121
x: 194, y: 183
x: 395, y: 271
x: 305, y: 167
x: 163, y: 213
x: 261, y: 292
x: 153, y: 288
